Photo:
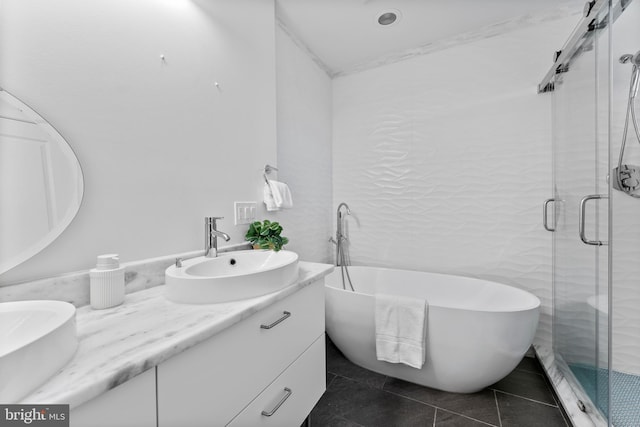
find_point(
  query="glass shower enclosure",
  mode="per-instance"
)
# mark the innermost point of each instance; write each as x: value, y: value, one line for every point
x: 595, y: 213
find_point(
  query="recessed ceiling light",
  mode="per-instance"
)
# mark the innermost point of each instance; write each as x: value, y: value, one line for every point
x: 388, y: 17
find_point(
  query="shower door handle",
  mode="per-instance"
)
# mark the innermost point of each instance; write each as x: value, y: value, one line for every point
x: 583, y: 203
x: 545, y: 223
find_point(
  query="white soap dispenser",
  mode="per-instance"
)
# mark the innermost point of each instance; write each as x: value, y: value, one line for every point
x: 106, y: 282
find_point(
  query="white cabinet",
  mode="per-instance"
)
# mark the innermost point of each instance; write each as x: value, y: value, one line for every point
x: 212, y: 383
x: 286, y: 401
x: 131, y: 404
x: 266, y: 370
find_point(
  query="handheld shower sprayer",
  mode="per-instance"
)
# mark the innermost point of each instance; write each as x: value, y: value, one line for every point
x: 635, y: 72
x: 342, y: 256
x: 634, y: 59
x: 340, y: 236
x: 343, y: 204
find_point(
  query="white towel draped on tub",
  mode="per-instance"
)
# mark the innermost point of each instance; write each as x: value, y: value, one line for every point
x: 400, y: 329
x: 277, y: 195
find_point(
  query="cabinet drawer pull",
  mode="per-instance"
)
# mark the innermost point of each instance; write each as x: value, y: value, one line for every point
x: 288, y: 393
x: 286, y: 315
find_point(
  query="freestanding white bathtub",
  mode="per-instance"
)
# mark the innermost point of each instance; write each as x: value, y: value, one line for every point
x: 477, y: 331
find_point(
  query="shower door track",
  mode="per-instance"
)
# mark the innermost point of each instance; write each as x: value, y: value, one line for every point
x: 580, y: 38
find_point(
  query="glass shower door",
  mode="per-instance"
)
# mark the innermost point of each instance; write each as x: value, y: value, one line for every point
x: 580, y: 251
x: 625, y: 229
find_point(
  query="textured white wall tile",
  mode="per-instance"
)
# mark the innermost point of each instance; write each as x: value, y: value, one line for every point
x: 445, y: 161
x: 304, y: 149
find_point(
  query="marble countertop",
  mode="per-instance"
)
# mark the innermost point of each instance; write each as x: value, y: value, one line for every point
x: 120, y: 343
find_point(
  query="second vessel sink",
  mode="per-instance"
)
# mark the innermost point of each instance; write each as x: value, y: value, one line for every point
x: 231, y: 276
x: 37, y: 338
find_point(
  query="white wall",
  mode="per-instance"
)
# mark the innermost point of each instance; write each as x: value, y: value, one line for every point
x: 160, y: 145
x: 444, y: 160
x: 304, y: 149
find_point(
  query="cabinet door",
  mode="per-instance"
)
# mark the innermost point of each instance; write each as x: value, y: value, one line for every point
x: 292, y: 396
x: 132, y: 404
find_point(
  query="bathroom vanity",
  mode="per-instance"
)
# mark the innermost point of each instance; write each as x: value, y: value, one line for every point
x: 275, y: 354
x: 153, y: 362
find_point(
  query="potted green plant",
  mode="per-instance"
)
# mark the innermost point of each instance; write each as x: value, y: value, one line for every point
x: 266, y: 235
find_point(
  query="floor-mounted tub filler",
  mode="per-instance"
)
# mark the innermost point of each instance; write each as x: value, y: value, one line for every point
x: 477, y: 331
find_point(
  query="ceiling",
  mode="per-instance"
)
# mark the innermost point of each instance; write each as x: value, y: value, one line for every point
x: 344, y: 34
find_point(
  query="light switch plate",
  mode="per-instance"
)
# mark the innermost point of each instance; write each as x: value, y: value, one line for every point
x: 245, y: 212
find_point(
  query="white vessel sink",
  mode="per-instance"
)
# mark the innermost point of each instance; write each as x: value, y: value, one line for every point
x: 37, y: 338
x: 231, y: 276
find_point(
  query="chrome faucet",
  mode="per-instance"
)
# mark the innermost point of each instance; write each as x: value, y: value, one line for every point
x: 211, y: 235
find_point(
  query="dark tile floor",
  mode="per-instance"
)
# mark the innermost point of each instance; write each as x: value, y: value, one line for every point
x: 358, y: 397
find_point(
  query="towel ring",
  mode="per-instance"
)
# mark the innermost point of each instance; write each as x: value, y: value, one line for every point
x: 267, y: 170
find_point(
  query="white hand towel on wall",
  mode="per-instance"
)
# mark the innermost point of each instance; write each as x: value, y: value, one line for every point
x: 400, y: 329
x: 277, y: 195
x: 268, y: 198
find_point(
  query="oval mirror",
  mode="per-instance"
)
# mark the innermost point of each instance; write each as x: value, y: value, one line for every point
x: 41, y: 183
